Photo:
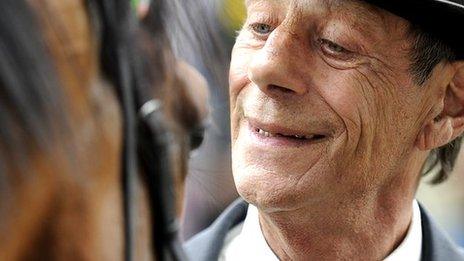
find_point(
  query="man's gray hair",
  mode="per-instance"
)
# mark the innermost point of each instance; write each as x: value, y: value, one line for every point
x: 427, y: 52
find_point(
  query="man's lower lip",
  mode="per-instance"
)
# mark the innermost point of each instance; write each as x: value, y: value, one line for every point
x: 280, y: 141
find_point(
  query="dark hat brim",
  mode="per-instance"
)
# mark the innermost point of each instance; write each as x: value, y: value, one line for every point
x: 442, y: 18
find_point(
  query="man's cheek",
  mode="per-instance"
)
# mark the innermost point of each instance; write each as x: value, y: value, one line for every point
x: 350, y: 106
x: 354, y: 104
x: 238, y: 75
x: 241, y: 59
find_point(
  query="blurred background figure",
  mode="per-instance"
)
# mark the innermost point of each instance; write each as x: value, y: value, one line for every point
x: 210, y: 187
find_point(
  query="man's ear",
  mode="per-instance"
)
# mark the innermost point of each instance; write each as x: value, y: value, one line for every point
x: 450, y: 123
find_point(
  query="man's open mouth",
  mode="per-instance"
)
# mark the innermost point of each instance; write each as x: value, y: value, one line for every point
x: 313, y: 137
x: 295, y: 136
x: 275, y: 134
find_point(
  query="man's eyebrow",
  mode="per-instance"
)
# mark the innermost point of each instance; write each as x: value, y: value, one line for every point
x: 370, y: 17
x: 368, y: 20
x: 250, y: 2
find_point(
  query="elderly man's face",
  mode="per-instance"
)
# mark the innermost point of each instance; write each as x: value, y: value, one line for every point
x: 323, y: 102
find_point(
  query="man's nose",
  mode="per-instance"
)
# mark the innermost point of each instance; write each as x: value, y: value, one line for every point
x: 279, y: 66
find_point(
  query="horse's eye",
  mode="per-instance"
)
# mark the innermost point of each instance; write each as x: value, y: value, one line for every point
x: 197, y: 136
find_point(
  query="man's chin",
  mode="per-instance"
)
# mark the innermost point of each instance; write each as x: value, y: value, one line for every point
x: 270, y: 198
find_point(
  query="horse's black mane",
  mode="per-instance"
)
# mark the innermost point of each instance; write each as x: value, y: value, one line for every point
x: 29, y: 91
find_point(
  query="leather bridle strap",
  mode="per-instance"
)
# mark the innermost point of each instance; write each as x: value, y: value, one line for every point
x: 116, y: 56
x: 156, y: 163
x: 147, y: 139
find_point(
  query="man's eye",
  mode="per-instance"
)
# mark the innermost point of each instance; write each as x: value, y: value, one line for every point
x: 332, y: 48
x: 262, y: 29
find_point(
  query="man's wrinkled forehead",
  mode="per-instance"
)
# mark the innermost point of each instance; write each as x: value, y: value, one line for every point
x: 358, y: 5
x: 365, y: 16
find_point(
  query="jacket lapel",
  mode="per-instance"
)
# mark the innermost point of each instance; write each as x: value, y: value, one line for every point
x: 207, y: 245
x: 436, y: 245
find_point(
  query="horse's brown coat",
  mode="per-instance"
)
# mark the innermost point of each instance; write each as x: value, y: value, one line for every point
x: 72, y: 210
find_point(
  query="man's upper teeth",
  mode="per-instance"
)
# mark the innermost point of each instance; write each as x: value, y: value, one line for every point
x: 265, y: 133
x: 268, y: 134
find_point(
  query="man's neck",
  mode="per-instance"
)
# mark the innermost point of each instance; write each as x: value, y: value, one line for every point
x: 364, y: 230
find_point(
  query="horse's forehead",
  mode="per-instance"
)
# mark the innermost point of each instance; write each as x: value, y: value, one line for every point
x: 66, y: 25
x: 68, y: 33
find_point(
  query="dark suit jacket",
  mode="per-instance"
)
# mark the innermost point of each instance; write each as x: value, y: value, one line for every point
x: 207, y: 245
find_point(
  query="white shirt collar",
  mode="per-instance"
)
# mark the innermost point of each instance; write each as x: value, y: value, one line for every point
x: 411, y: 247
x: 246, y: 241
